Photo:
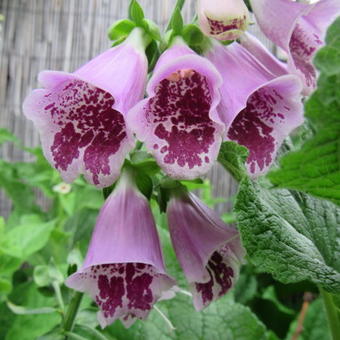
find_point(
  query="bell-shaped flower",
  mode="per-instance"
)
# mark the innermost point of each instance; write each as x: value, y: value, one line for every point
x: 209, y: 252
x: 123, y: 271
x: 260, y: 102
x: 80, y: 116
x: 223, y: 19
x: 178, y: 122
x: 299, y: 29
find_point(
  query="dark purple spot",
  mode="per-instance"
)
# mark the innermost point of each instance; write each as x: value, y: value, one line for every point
x: 180, y: 113
x: 253, y: 129
x: 218, y: 26
x: 220, y: 275
x: 139, y: 293
x: 303, y: 46
x: 111, y: 292
x: 124, y: 285
x: 86, y: 119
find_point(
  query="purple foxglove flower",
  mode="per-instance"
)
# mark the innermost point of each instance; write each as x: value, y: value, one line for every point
x: 178, y: 122
x: 223, y: 19
x: 260, y: 102
x: 123, y: 271
x: 81, y: 115
x: 299, y: 29
x: 209, y: 251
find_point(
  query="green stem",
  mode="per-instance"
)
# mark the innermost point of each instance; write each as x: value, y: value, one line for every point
x: 58, y: 295
x: 72, y: 312
x: 179, y: 5
x: 332, y: 314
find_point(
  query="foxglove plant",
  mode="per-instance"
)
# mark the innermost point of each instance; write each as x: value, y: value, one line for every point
x: 123, y: 271
x: 223, y: 19
x: 81, y: 115
x: 178, y: 122
x: 239, y: 92
x: 260, y: 103
x: 299, y: 30
x: 209, y: 251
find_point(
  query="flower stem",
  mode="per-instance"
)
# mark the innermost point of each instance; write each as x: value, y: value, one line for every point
x: 179, y: 5
x: 72, y: 312
x: 332, y: 315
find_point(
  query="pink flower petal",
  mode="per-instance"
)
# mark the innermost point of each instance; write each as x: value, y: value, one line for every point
x: 178, y: 121
x: 80, y: 115
x: 260, y: 104
x: 299, y: 29
x: 124, y: 270
x: 208, y: 251
x: 80, y: 131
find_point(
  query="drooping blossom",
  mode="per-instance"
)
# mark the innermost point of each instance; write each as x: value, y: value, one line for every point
x: 178, y: 121
x: 123, y: 271
x: 260, y: 102
x: 223, y: 19
x: 299, y: 29
x: 81, y: 115
x: 209, y: 252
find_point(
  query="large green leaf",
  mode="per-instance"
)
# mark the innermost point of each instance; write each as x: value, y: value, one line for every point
x: 315, y: 168
x: 293, y: 236
x: 223, y: 319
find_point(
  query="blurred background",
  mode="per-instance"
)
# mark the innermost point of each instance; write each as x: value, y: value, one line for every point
x: 62, y: 35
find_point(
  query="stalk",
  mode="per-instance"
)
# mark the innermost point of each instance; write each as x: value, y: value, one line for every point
x: 179, y: 5
x: 72, y: 312
x: 332, y: 314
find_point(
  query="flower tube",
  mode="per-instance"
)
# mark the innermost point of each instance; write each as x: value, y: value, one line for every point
x: 123, y: 271
x: 299, y: 29
x: 260, y: 103
x: 80, y: 116
x: 209, y: 252
x: 223, y: 19
x: 178, y: 122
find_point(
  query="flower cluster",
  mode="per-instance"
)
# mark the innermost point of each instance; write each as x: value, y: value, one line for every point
x: 89, y: 121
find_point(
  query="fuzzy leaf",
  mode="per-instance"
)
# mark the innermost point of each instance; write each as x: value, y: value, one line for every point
x: 293, y: 236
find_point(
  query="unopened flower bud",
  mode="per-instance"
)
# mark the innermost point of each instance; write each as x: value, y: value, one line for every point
x: 223, y: 19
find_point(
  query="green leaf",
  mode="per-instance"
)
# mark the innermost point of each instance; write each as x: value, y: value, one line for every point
x: 232, y: 156
x: 33, y: 325
x: 45, y: 275
x: 89, y: 332
x: 327, y: 59
x: 20, y: 310
x: 121, y: 29
x: 136, y: 13
x: 176, y: 23
x: 5, y: 287
x: 6, y: 136
x: 315, y: 168
x: 22, y: 196
x: 223, y: 319
x: 152, y: 29
x: 152, y: 53
x: 192, y: 35
x: 290, y: 235
x: 27, y: 238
